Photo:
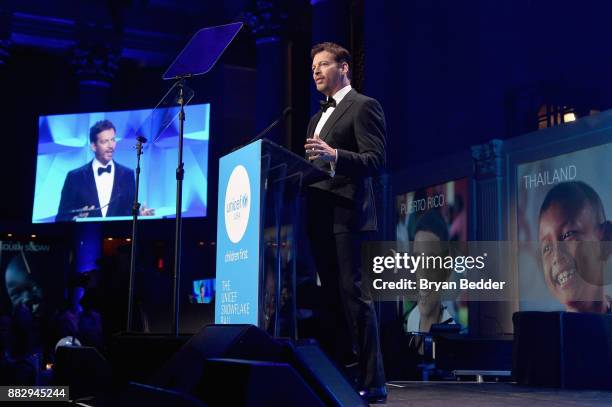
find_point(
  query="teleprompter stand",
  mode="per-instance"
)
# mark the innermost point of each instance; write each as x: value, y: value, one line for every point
x: 197, y: 58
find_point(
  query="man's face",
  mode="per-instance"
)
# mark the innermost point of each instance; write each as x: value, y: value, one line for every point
x: 22, y: 289
x: 571, y: 254
x: 327, y: 73
x: 104, y: 147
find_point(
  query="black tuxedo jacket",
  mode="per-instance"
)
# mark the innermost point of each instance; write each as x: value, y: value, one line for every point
x: 80, y: 190
x: 356, y: 128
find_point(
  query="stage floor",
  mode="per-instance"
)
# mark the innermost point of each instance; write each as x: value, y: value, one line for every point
x: 466, y: 394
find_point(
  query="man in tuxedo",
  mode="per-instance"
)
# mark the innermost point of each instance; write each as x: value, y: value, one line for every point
x: 347, y: 139
x: 102, y: 187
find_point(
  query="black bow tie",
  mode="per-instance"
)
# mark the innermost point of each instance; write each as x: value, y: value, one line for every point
x: 102, y: 170
x: 325, y: 104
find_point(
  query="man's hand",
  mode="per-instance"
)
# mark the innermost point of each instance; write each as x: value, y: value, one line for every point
x: 144, y: 211
x: 84, y: 212
x: 317, y: 148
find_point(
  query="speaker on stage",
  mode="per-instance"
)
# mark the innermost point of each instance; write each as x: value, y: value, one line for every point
x: 82, y: 368
x: 184, y: 370
x: 135, y: 356
x: 239, y: 382
x: 139, y: 394
x: 258, y: 367
x: 563, y: 349
x: 322, y: 374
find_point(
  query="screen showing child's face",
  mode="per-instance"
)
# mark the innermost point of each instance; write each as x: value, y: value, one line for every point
x: 569, y: 247
x: 22, y: 289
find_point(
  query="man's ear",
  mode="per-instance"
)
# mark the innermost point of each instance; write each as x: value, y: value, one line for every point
x: 93, y: 147
x: 605, y: 236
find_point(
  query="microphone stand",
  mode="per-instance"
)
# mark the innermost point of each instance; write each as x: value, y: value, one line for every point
x: 140, y: 140
x: 180, y: 174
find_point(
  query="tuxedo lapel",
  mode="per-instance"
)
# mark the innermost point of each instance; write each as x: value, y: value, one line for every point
x: 119, y: 194
x: 313, y: 123
x: 91, y: 185
x: 342, y: 107
x: 114, y: 193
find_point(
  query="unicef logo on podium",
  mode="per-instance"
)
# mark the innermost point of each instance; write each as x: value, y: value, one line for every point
x: 237, y: 203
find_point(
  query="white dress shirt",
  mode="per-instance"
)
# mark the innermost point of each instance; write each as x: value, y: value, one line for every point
x: 104, y: 184
x: 338, y: 96
x: 413, y: 324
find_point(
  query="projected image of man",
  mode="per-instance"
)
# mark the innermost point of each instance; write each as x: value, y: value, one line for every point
x: 102, y: 187
x: 431, y: 239
x: 574, y: 240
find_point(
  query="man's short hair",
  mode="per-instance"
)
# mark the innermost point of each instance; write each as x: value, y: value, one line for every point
x: 340, y: 54
x: 573, y: 195
x: 98, y: 128
x: 431, y: 221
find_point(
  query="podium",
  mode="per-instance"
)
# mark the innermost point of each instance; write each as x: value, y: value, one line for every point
x: 258, y: 218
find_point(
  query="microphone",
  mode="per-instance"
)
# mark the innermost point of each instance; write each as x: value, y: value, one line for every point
x: 265, y: 131
x: 140, y: 140
x: 97, y: 208
x: 286, y: 112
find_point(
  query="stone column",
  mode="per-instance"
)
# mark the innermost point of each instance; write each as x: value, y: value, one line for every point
x: 488, y: 163
x: 267, y: 20
x: 95, y: 66
x: 490, y: 317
